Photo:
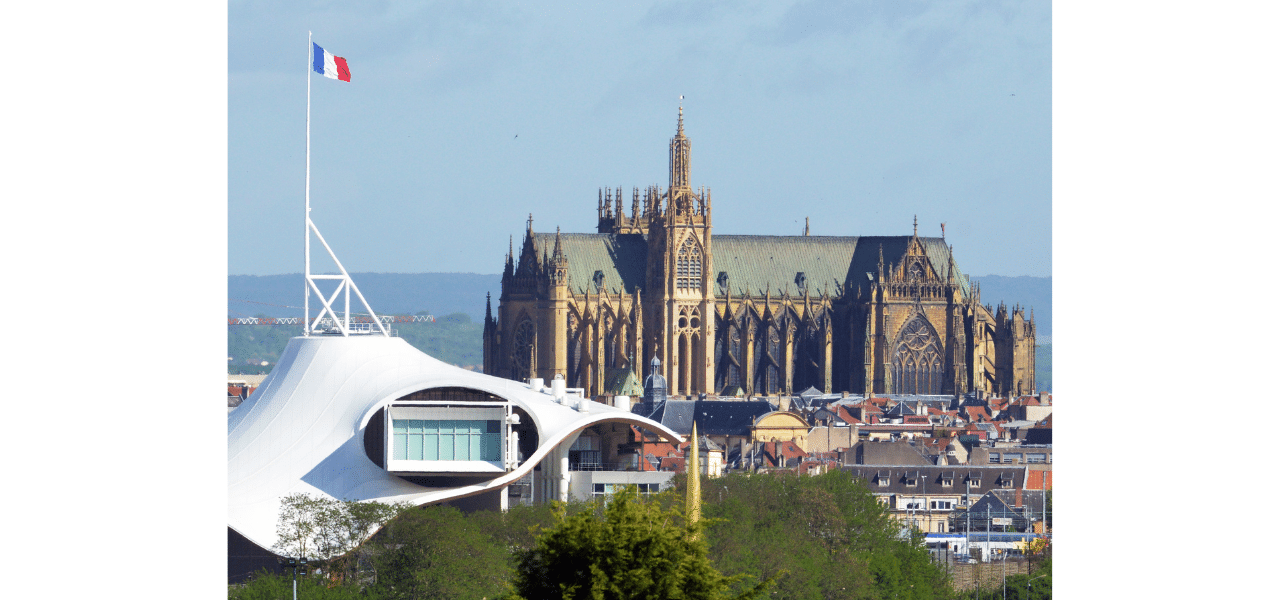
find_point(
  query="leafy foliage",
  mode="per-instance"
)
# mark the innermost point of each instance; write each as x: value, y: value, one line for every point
x: 437, y: 552
x: 1016, y: 586
x: 268, y: 586
x: 828, y: 532
x: 329, y: 530
x: 808, y: 537
x: 634, y: 549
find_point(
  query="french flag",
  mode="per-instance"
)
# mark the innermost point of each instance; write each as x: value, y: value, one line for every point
x: 333, y: 67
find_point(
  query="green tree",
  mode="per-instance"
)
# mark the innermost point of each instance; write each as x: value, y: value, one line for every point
x: 437, y: 553
x: 828, y: 533
x: 296, y: 525
x: 1016, y: 586
x: 629, y: 549
x: 328, y: 530
x: 267, y: 586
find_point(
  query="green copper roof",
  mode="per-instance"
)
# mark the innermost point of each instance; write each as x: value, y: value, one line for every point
x: 751, y: 262
x: 837, y: 264
x: 620, y: 258
x: 622, y: 382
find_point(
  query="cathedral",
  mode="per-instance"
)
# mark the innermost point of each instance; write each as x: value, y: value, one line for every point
x: 746, y: 315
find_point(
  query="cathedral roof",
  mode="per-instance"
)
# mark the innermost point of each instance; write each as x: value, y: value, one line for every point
x: 838, y: 263
x: 751, y: 262
x: 620, y: 258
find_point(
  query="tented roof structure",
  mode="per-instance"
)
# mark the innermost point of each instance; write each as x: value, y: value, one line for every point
x: 303, y: 429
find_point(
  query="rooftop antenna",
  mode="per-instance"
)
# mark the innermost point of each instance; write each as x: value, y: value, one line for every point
x: 316, y: 61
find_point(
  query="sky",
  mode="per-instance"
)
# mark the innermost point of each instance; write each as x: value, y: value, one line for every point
x: 463, y: 118
x: 128, y: 153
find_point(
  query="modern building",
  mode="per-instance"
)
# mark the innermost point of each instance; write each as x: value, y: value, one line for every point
x: 369, y: 417
x: 747, y: 314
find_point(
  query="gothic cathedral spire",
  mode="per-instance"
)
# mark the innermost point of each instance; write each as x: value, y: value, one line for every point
x: 679, y: 157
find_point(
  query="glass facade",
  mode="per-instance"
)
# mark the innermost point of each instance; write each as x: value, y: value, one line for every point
x: 607, y: 489
x: 419, y: 439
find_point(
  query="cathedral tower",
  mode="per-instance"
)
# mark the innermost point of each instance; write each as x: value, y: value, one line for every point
x: 681, y: 303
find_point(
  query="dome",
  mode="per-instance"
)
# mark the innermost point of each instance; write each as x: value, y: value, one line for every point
x: 655, y: 385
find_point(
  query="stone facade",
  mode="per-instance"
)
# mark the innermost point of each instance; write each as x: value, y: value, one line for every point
x: 747, y: 315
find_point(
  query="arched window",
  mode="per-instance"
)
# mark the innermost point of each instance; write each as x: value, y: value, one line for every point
x: 734, y: 377
x: 689, y: 266
x: 917, y: 359
x: 610, y: 344
x: 522, y: 351
x: 767, y: 380
x: 574, y: 335
x: 808, y: 357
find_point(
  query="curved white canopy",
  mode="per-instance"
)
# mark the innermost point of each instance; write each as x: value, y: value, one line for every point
x: 302, y: 430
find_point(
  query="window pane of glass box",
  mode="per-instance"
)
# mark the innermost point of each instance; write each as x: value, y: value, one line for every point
x: 415, y: 446
x: 401, y: 449
x: 431, y: 447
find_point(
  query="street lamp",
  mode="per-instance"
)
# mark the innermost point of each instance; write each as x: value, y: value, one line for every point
x: 1030, y: 579
x: 298, y: 566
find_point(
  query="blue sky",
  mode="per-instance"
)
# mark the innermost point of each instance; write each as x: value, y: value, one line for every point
x: 859, y: 115
x: 128, y: 188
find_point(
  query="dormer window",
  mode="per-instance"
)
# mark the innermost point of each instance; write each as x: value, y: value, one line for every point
x: 598, y: 280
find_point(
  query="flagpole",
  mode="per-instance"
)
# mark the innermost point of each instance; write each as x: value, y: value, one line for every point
x: 306, y: 215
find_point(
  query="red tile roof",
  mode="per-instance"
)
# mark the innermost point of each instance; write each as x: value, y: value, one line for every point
x: 672, y: 463
x: 847, y: 416
x: 1039, y: 480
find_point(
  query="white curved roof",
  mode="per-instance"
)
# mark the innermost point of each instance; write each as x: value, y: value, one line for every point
x: 302, y: 430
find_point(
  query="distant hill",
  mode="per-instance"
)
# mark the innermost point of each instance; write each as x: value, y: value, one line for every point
x: 447, y: 293
x: 388, y: 293
x: 1035, y: 293
x: 452, y: 338
x: 459, y: 339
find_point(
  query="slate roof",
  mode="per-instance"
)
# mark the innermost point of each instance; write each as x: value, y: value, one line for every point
x: 714, y: 417
x: 1008, y: 503
x: 888, y: 453
x: 931, y: 477
x: 752, y: 262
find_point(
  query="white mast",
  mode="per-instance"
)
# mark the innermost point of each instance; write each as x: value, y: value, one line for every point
x: 306, y: 215
x: 334, y: 323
